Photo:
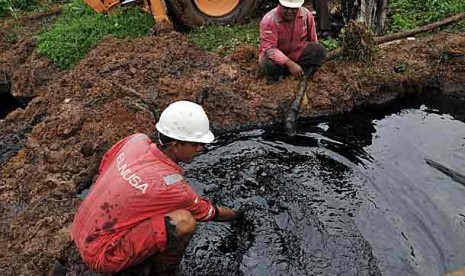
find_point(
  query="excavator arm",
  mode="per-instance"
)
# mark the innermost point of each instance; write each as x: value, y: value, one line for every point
x: 159, y: 10
x: 102, y: 6
x: 156, y: 7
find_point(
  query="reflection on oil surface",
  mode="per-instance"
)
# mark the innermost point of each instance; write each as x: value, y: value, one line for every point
x: 369, y: 193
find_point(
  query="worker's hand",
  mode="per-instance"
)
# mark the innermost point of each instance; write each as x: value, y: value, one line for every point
x: 226, y: 214
x: 294, y: 68
x: 240, y: 215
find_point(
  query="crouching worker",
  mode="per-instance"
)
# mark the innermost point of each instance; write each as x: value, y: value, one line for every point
x: 288, y: 42
x: 141, y: 207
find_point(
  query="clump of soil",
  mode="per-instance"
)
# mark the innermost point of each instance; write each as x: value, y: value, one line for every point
x: 121, y: 87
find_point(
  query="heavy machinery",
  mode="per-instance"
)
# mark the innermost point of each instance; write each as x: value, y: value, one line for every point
x: 190, y: 13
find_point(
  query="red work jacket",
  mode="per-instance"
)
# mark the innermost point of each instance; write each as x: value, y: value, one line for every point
x: 137, y: 181
x: 281, y: 40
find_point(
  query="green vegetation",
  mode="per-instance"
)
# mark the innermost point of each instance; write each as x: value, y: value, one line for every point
x: 330, y: 44
x: 223, y: 39
x: 15, y: 7
x: 408, y: 14
x: 12, y: 7
x: 404, y: 15
x: 80, y: 28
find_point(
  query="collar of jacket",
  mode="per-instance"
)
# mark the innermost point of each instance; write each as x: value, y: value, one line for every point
x: 164, y: 158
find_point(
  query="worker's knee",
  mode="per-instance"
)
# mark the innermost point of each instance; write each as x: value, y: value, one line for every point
x: 184, y: 222
x: 314, y: 53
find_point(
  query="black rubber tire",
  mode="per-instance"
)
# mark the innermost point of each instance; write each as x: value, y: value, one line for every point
x: 186, y: 13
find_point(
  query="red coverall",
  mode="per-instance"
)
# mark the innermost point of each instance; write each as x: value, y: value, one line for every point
x: 281, y: 40
x: 121, y: 221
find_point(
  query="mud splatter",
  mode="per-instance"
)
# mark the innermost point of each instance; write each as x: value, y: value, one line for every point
x: 108, y: 226
x: 91, y: 238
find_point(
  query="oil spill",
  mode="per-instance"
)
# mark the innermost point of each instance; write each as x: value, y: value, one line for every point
x: 349, y: 195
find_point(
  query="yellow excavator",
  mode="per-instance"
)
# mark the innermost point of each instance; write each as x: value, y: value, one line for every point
x: 190, y: 13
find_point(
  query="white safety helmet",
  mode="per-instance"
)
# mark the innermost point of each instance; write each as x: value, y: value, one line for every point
x: 291, y: 3
x: 185, y: 121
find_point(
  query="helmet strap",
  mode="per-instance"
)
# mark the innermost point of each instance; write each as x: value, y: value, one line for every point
x: 164, y: 145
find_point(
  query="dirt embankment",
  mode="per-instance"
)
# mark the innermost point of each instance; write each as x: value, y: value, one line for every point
x: 120, y: 88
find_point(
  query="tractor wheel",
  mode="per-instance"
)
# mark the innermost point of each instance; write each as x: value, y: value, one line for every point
x: 194, y: 13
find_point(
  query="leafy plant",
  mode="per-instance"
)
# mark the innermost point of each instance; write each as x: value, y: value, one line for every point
x: 330, y: 44
x: 79, y: 29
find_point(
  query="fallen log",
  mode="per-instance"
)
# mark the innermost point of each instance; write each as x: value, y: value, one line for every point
x: 429, y: 27
x: 401, y: 35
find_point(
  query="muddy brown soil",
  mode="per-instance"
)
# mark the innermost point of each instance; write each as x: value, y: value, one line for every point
x: 51, y: 149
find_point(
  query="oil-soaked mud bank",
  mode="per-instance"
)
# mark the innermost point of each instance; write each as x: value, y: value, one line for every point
x: 120, y: 88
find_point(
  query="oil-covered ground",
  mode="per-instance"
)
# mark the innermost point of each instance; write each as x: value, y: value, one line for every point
x: 50, y: 149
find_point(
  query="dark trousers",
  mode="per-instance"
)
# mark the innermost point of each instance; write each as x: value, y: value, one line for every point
x: 312, y: 57
x: 322, y: 15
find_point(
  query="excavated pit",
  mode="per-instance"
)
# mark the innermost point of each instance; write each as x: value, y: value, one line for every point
x: 377, y: 191
x: 119, y: 89
x: 10, y: 144
x: 8, y: 102
x: 343, y: 196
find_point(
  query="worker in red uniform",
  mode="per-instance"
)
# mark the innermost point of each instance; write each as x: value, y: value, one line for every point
x: 141, y: 207
x: 288, y: 42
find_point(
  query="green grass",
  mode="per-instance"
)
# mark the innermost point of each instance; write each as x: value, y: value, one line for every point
x: 79, y: 29
x: 14, y: 8
x: 409, y: 14
x: 223, y: 39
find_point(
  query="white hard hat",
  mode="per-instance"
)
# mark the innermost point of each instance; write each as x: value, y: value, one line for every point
x: 291, y: 3
x: 185, y: 121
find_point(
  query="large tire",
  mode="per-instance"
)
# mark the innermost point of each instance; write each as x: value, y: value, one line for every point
x: 188, y: 14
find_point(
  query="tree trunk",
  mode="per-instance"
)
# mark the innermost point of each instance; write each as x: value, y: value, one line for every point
x: 372, y: 12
